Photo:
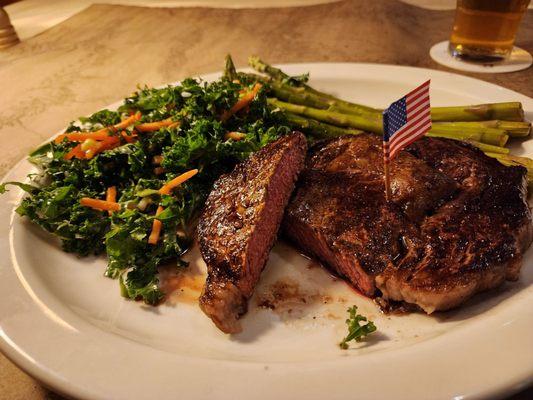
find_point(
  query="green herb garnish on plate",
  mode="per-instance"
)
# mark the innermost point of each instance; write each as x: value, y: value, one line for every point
x: 356, y: 331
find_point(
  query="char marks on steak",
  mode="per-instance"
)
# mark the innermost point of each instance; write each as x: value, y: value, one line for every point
x: 239, y: 226
x: 458, y: 222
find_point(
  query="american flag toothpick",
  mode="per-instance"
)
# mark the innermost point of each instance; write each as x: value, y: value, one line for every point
x: 404, y: 121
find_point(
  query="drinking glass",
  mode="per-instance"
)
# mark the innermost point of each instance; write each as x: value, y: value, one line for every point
x: 485, y: 30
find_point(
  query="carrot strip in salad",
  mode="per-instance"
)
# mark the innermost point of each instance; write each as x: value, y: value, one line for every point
x: 82, y: 136
x: 100, y: 134
x: 128, y: 138
x: 101, y: 205
x: 166, y: 189
x: 111, y: 196
x: 76, y: 151
x: 156, y: 228
x: 242, y: 102
x: 234, y: 136
x: 155, y: 126
x: 110, y: 143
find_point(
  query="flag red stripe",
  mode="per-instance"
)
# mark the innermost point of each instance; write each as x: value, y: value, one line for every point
x: 418, y: 115
x: 414, y: 132
x: 415, y: 113
x: 413, y: 107
x: 407, y: 128
x: 410, y: 139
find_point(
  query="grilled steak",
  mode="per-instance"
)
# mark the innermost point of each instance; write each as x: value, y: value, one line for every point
x: 240, y: 223
x: 458, y: 222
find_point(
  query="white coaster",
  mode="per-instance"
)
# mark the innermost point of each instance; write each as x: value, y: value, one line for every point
x: 519, y: 60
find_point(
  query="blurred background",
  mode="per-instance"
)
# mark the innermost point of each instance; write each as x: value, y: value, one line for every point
x: 31, y: 17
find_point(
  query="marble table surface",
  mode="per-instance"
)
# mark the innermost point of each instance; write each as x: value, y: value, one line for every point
x: 69, y: 70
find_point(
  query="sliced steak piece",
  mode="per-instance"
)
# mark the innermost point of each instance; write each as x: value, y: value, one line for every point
x: 339, y: 213
x: 458, y: 222
x: 240, y: 223
x: 474, y: 242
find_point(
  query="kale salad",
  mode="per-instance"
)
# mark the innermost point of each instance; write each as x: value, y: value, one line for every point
x: 131, y: 182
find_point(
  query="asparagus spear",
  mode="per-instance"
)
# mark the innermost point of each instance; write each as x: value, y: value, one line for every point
x: 493, y: 136
x: 293, y: 95
x: 330, y: 117
x: 230, y: 71
x: 510, y: 160
x: 487, y: 135
x: 511, y: 128
x: 489, y: 148
x: 319, y: 130
x: 276, y: 73
x: 510, y: 111
x: 494, y: 132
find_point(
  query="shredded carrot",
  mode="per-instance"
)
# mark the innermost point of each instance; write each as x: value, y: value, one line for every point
x: 128, y: 121
x: 100, y: 134
x: 82, y: 136
x: 156, y: 228
x: 110, y: 143
x: 155, y: 126
x: 129, y: 138
x: 159, y: 170
x: 101, y: 205
x: 111, y: 196
x: 235, y: 136
x: 76, y: 151
x: 241, y: 103
x: 167, y: 187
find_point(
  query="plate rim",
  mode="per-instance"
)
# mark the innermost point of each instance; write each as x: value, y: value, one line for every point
x: 52, y: 379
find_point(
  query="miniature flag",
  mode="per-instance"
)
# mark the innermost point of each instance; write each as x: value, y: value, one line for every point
x: 405, y: 121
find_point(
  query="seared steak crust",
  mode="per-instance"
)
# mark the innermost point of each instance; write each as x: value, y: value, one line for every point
x: 458, y: 222
x: 239, y: 226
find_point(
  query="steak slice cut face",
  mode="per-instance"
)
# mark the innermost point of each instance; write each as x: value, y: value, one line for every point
x: 239, y: 226
x: 458, y: 222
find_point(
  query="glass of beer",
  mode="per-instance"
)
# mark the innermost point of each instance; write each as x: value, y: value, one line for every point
x: 485, y: 30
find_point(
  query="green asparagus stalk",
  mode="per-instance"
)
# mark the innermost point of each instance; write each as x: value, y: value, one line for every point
x: 513, y: 160
x: 493, y: 136
x: 510, y: 160
x: 330, y: 117
x: 511, y: 128
x: 276, y: 73
x: 489, y: 148
x: 486, y: 135
x: 319, y: 130
x: 294, y: 95
x: 230, y: 72
x: 510, y: 111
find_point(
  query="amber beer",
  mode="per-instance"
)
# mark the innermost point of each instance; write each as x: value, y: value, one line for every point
x: 486, y: 29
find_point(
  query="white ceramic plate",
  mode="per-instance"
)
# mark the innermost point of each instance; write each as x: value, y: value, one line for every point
x: 65, y: 324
